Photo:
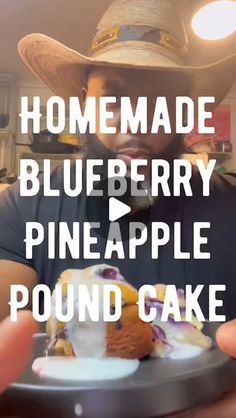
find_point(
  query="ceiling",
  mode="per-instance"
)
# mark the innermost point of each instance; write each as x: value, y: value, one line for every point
x: 73, y: 22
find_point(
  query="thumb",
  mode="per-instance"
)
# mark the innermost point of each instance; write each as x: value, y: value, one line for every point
x: 16, y: 342
x: 226, y: 338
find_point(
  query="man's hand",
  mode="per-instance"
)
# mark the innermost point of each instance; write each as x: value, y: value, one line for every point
x: 226, y: 407
x: 16, y: 341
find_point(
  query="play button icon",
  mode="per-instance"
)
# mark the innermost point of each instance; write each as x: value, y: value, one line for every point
x: 107, y: 211
x: 117, y: 209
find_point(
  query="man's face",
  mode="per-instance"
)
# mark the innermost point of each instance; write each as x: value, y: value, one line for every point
x: 104, y: 81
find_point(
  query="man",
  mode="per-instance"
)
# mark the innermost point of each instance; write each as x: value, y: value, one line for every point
x: 142, y: 54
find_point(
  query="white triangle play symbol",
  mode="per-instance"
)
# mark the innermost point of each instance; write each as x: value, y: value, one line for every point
x: 117, y: 209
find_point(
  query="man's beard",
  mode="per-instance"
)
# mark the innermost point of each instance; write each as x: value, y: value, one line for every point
x: 93, y: 148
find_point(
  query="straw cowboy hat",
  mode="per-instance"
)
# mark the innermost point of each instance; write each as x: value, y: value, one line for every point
x: 138, y: 34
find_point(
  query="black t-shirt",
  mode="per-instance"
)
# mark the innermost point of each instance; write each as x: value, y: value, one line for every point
x: 219, y: 209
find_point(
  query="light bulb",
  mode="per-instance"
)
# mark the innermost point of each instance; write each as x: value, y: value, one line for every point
x: 216, y: 20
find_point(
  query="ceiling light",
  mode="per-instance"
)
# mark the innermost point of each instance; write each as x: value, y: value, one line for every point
x: 215, y: 20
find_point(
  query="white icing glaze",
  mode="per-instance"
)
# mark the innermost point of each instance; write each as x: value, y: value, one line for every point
x: 88, y: 338
x: 84, y: 369
x: 176, y: 338
x: 183, y: 351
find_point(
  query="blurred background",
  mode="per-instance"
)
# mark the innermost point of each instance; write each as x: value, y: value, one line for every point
x: 73, y: 22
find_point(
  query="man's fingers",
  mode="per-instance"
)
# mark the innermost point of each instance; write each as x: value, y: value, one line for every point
x: 16, y: 341
x: 226, y: 338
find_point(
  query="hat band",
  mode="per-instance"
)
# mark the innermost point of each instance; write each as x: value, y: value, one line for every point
x: 138, y: 33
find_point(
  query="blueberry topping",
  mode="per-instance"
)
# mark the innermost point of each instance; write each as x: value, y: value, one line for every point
x: 109, y: 273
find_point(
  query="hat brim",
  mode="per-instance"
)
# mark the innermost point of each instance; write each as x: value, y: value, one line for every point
x: 63, y: 70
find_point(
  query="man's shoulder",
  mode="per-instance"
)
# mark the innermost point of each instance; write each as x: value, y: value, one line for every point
x: 13, y: 201
x: 219, y: 204
x: 224, y: 182
x: 220, y: 184
x: 55, y: 178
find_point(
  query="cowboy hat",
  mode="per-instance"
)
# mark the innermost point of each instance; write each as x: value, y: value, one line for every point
x: 135, y: 34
